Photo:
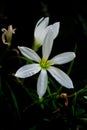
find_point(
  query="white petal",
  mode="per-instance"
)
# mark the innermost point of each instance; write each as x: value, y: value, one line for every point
x: 4, y: 30
x: 40, y: 32
x: 55, y: 28
x: 41, y: 24
x: 61, y: 77
x: 4, y: 37
x: 27, y: 70
x: 29, y: 53
x: 48, y: 43
x: 42, y: 83
x: 63, y: 58
x: 39, y: 38
x: 39, y: 21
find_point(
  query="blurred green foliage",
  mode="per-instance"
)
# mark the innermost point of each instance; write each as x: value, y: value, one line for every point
x: 20, y: 107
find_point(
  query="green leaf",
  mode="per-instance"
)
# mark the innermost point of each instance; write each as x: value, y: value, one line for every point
x: 14, y: 99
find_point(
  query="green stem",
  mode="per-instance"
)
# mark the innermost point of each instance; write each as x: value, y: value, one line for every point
x: 71, y: 65
x: 54, y: 105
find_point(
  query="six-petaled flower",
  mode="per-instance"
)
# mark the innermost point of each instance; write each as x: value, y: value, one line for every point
x: 44, y: 65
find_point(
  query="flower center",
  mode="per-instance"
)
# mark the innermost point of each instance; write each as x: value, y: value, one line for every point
x: 44, y: 63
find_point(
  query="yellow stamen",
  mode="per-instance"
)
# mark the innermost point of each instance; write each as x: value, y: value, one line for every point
x: 44, y: 63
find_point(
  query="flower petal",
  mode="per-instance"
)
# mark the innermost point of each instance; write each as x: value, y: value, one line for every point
x: 27, y: 70
x: 40, y: 31
x: 39, y: 21
x: 63, y: 58
x: 4, y: 30
x: 55, y: 28
x: 41, y: 24
x: 42, y: 83
x: 39, y: 38
x: 48, y: 43
x: 29, y: 53
x: 4, y: 38
x: 61, y: 77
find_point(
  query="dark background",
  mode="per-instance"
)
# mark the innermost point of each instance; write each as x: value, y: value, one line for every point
x: 72, y: 16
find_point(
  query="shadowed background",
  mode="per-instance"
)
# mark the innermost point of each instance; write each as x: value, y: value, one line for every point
x: 73, y: 32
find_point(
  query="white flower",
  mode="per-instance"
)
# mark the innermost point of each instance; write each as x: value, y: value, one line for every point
x: 44, y: 65
x: 7, y: 35
x: 41, y: 30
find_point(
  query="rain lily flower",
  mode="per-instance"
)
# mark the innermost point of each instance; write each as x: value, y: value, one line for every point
x: 7, y: 35
x: 44, y: 65
x: 41, y: 30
